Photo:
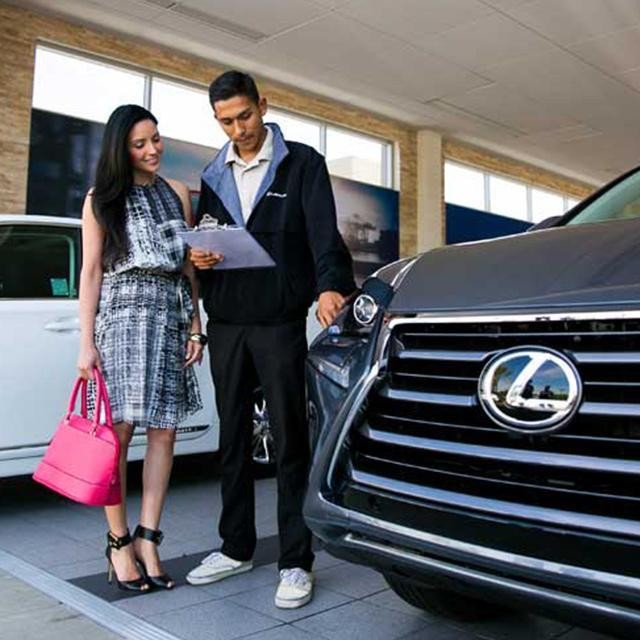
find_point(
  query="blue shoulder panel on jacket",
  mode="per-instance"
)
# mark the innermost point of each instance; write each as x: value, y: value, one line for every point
x: 219, y: 175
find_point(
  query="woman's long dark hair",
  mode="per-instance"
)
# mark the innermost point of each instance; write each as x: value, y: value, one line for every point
x: 114, y: 178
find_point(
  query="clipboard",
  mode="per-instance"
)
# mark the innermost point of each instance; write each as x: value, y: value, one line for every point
x: 239, y: 248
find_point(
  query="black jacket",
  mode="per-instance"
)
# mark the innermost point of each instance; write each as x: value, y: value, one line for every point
x: 294, y: 219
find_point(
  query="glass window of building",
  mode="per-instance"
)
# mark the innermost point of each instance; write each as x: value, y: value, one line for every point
x: 184, y: 113
x: 295, y: 128
x: 479, y: 189
x: 82, y: 87
x: 355, y: 157
x: 63, y: 80
x: 545, y: 204
x: 508, y: 198
x: 464, y: 186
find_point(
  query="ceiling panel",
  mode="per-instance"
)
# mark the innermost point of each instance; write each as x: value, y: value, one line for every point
x: 413, y: 20
x: 95, y: 10
x: 267, y: 17
x: 614, y: 53
x: 505, y: 4
x: 486, y: 42
x: 270, y: 57
x: 330, y: 4
x: 631, y: 78
x: 360, y: 53
x: 343, y: 87
x: 610, y: 154
x: 563, y: 134
x: 572, y: 87
x: 569, y: 21
x: 125, y: 7
x: 180, y: 26
x: 511, y: 108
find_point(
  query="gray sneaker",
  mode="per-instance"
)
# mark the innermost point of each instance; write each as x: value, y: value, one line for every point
x: 216, y: 566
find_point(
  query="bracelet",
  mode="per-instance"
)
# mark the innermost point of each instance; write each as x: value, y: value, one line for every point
x: 200, y: 338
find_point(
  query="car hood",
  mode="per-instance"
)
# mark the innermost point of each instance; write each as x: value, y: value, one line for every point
x: 590, y: 266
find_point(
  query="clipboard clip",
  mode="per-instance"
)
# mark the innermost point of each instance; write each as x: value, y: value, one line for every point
x: 209, y: 223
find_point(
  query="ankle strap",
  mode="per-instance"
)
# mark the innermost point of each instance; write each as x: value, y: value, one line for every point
x: 152, y: 535
x: 117, y: 542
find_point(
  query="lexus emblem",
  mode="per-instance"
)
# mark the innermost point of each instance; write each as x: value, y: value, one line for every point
x: 530, y: 389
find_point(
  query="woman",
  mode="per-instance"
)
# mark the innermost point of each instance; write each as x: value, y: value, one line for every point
x: 139, y: 323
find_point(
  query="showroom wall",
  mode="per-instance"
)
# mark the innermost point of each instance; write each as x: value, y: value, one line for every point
x: 21, y: 29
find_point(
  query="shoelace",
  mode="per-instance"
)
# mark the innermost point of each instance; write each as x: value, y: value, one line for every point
x: 213, y: 558
x: 294, y: 577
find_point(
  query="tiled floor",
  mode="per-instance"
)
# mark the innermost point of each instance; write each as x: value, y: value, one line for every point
x: 351, y: 602
x: 26, y: 613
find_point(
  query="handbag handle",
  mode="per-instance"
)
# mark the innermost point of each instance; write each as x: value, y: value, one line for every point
x: 104, y: 396
x: 102, y: 400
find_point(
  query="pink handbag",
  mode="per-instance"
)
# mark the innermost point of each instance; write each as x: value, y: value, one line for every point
x: 81, y: 461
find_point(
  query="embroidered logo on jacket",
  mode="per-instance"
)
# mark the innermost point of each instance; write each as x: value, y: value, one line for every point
x: 273, y: 194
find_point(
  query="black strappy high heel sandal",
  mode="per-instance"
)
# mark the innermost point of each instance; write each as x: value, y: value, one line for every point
x: 117, y: 542
x: 163, y: 581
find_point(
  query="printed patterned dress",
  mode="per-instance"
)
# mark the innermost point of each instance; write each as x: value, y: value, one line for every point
x: 144, y: 316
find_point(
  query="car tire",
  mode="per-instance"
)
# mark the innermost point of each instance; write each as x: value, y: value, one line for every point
x: 262, y: 444
x: 444, y: 603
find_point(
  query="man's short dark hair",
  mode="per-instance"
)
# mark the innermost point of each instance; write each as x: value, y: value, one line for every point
x: 231, y: 84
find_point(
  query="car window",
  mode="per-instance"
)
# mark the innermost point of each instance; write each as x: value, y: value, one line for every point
x: 620, y: 202
x: 39, y: 261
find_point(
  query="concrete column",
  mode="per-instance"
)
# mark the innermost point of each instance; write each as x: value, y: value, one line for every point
x: 430, y: 208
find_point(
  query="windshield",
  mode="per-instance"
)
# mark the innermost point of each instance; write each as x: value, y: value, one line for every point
x: 621, y: 202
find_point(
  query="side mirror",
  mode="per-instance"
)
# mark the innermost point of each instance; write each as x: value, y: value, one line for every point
x: 544, y: 224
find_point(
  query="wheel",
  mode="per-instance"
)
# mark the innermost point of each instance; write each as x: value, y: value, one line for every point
x: 262, y: 445
x: 442, y: 602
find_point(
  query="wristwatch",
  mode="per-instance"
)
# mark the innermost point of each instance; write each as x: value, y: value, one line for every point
x: 200, y: 338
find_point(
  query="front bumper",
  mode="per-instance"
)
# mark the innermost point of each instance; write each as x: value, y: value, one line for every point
x: 552, y: 569
x: 566, y: 592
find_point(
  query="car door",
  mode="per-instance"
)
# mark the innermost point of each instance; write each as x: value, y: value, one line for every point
x: 39, y: 271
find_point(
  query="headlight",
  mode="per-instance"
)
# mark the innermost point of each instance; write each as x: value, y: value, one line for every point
x: 340, y: 352
x: 365, y: 309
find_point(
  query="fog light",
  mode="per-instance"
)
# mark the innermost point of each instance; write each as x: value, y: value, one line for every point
x: 365, y: 309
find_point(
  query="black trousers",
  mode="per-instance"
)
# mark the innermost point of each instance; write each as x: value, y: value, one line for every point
x: 243, y: 356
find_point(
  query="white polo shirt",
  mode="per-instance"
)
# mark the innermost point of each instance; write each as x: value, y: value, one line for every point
x: 249, y: 175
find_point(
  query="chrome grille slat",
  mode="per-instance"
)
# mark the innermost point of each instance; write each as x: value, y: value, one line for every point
x: 424, y: 376
x: 470, y: 356
x: 550, y: 489
x: 569, y: 518
x: 586, y: 357
x: 610, y: 409
x: 529, y: 334
x: 545, y: 458
x: 429, y: 398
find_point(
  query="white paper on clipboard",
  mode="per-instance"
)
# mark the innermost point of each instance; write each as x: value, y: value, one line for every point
x: 239, y: 248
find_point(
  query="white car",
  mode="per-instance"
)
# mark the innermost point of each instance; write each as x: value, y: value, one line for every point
x: 40, y: 259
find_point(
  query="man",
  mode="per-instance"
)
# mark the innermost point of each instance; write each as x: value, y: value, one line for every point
x: 280, y: 191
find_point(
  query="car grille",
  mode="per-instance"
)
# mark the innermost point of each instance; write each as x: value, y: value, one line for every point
x: 422, y: 431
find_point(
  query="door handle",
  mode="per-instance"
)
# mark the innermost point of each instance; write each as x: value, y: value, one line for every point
x: 63, y: 324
